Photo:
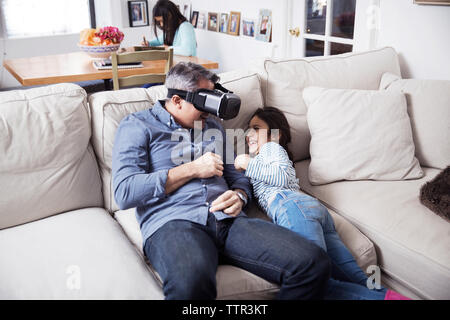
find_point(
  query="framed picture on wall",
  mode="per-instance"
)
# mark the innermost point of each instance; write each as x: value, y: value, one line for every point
x: 212, y: 21
x: 233, y: 23
x: 223, y: 23
x: 435, y: 2
x: 186, y: 7
x: 194, y: 18
x: 202, y: 20
x: 138, y: 13
x: 264, y: 27
x: 248, y: 27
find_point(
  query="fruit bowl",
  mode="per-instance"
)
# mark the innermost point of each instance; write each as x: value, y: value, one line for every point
x: 99, y: 52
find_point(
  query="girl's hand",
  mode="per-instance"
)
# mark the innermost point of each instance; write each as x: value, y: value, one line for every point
x: 241, y: 162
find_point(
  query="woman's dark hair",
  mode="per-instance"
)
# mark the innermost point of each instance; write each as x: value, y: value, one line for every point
x: 275, y: 119
x: 172, y: 18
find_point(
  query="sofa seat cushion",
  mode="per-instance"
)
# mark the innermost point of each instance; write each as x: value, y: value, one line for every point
x: 413, y: 243
x: 236, y: 283
x: 80, y: 254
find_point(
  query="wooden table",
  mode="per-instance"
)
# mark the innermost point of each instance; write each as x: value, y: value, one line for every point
x: 77, y: 66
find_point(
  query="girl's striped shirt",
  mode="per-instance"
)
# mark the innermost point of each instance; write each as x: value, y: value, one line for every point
x: 270, y: 172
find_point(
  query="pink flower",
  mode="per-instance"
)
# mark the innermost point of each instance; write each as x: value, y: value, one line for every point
x: 111, y: 33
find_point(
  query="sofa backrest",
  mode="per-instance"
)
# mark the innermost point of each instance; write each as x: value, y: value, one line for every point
x: 47, y: 165
x: 110, y: 107
x: 283, y: 81
x: 429, y: 112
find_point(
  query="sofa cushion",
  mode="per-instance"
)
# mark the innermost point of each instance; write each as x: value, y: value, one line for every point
x: 109, y: 108
x: 429, y: 111
x: 283, y: 82
x: 413, y: 243
x: 232, y: 282
x: 359, y: 134
x: 80, y: 254
x: 46, y: 158
x: 236, y: 283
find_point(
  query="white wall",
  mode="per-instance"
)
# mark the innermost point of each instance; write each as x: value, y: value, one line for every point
x: 420, y: 34
x: 234, y: 52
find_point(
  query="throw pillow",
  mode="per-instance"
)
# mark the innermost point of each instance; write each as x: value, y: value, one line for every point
x: 358, y: 135
x: 435, y: 194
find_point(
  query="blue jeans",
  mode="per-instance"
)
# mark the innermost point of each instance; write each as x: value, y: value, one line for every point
x: 306, y: 216
x: 186, y: 255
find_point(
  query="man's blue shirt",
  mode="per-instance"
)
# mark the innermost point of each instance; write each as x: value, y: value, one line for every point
x: 149, y: 143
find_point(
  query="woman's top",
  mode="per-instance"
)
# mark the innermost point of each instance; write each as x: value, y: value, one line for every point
x: 184, y: 42
x: 270, y: 172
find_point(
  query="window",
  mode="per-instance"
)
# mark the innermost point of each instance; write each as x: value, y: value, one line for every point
x: 329, y: 27
x: 32, y: 18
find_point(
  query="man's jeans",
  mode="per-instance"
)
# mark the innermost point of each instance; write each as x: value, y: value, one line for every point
x: 306, y: 216
x: 186, y: 256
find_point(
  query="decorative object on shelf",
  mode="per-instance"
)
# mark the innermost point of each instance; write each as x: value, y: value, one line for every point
x: 248, y: 27
x: 202, y: 20
x: 100, y: 43
x: 223, y: 23
x: 233, y: 24
x: 212, y: 21
x: 138, y: 13
x: 186, y: 10
x: 434, y: 2
x: 264, y: 27
x: 194, y: 18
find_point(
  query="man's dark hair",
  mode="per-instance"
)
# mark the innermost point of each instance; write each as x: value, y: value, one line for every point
x: 172, y: 18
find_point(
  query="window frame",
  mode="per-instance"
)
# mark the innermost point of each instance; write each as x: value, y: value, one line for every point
x: 327, y: 38
x: 4, y: 36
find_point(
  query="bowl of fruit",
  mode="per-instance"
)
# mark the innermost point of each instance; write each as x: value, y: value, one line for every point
x: 100, y: 43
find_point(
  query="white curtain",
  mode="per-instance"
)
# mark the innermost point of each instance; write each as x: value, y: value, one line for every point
x: 30, y: 18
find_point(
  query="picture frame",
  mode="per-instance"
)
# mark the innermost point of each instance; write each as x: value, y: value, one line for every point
x: 202, y: 20
x: 263, y: 30
x: 186, y: 10
x: 138, y: 13
x: 194, y: 18
x: 234, y: 23
x: 433, y: 2
x: 223, y: 23
x: 213, y: 24
x: 248, y: 27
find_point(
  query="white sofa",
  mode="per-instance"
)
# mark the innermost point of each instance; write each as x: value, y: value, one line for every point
x: 62, y: 235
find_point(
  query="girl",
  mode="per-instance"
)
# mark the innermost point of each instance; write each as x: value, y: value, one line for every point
x: 177, y: 31
x: 276, y: 187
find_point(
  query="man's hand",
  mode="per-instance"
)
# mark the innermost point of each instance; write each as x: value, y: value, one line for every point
x: 229, y: 202
x: 207, y: 166
x: 241, y: 162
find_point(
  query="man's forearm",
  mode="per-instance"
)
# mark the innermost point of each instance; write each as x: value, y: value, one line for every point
x: 179, y: 176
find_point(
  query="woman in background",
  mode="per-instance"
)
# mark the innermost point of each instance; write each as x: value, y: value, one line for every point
x: 177, y: 32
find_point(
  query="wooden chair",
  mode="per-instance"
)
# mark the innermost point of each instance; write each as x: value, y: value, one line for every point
x: 140, y: 79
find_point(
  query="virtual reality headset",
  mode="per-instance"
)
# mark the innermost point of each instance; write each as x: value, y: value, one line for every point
x: 219, y: 102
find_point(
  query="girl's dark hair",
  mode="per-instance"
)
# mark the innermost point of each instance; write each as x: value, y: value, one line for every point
x: 172, y: 18
x: 275, y: 119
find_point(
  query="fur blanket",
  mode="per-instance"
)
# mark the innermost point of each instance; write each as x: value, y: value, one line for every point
x: 435, y: 194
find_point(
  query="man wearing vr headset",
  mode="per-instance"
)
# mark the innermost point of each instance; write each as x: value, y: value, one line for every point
x: 191, y: 214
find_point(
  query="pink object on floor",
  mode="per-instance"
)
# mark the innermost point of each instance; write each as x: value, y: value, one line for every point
x: 392, y: 295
